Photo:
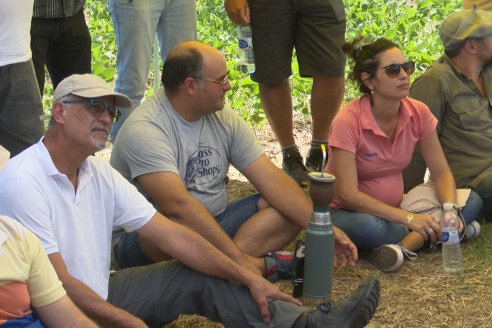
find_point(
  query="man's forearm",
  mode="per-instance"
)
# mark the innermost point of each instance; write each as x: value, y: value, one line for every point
x: 197, y: 218
x: 96, y: 308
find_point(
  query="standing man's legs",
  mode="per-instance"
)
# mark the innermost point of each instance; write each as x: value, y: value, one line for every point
x: 274, y: 25
x: 177, y: 24
x: 135, y: 24
x: 20, y: 107
x: 277, y: 103
x: 41, y: 33
x: 70, y: 53
x: 319, y: 37
x: 63, y: 45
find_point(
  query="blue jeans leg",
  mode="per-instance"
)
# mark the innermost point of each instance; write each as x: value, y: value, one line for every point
x: 367, y: 230
x: 472, y: 207
x: 484, y: 190
x: 237, y: 212
x: 129, y: 253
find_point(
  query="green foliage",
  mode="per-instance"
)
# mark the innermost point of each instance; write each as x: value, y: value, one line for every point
x: 103, y: 41
x: 412, y: 24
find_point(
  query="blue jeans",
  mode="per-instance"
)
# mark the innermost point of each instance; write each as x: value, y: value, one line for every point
x: 370, y: 231
x: 129, y: 253
x: 484, y: 189
x: 135, y: 26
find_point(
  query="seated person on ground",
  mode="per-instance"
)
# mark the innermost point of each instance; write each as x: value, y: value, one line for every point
x: 73, y: 202
x: 458, y: 90
x: 371, y: 142
x: 176, y: 148
x: 31, y: 295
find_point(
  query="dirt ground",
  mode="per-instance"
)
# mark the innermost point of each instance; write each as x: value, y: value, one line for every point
x: 419, y: 294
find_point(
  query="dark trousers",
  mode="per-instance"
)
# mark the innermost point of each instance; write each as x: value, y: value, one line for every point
x: 160, y: 292
x: 20, y: 107
x: 63, y: 45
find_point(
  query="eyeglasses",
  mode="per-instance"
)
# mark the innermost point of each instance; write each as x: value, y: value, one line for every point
x: 221, y: 82
x: 394, y: 70
x: 97, y: 107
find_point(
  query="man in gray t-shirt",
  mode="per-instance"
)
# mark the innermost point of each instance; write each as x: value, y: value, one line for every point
x: 177, y: 148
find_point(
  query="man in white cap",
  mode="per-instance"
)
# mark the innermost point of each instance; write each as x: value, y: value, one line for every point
x: 28, y: 281
x: 74, y: 203
x: 458, y: 90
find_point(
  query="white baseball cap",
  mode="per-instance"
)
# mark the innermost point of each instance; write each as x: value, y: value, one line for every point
x: 89, y: 86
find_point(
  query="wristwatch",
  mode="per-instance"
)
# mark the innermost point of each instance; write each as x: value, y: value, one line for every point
x: 409, y: 218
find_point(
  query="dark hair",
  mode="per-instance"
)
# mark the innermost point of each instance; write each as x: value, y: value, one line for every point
x: 365, y: 57
x: 180, y: 65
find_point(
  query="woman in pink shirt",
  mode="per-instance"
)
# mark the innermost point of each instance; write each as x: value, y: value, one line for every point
x: 371, y: 141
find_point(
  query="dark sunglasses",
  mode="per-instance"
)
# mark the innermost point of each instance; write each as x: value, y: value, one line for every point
x: 97, y: 107
x: 393, y: 70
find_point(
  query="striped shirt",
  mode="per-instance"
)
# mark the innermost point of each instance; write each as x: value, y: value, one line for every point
x: 57, y: 8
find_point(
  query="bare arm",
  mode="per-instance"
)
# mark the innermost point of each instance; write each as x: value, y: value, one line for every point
x: 173, y: 200
x: 238, y: 11
x: 89, y: 302
x: 279, y: 190
x: 439, y: 169
x: 191, y: 249
x: 353, y: 199
x: 63, y: 313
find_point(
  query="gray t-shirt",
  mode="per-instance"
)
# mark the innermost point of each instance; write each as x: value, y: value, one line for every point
x: 155, y: 138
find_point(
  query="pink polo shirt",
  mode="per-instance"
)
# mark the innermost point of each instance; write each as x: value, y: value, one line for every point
x: 379, y: 162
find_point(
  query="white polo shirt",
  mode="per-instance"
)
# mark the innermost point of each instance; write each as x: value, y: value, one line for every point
x: 76, y: 223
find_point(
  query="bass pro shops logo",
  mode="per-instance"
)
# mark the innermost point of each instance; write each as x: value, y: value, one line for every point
x: 203, y: 166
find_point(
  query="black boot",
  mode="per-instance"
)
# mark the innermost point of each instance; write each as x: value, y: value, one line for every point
x: 293, y: 166
x: 353, y: 312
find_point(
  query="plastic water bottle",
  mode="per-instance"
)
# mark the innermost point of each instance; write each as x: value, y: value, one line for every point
x: 246, y: 54
x: 451, y: 250
x: 318, y: 260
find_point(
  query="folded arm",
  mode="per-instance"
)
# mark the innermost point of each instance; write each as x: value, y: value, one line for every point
x: 173, y: 200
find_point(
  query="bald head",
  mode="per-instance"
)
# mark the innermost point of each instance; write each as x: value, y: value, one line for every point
x: 187, y: 59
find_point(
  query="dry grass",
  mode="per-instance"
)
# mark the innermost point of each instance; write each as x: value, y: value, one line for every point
x: 419, y: 294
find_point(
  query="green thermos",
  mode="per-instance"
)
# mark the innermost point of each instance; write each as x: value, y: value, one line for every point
x: 318, y: 260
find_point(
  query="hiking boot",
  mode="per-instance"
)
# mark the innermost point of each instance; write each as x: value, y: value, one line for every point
x: 353, y: 312
x: 314, y: 160
x: 292, y: 165
x: 388, y: 257
x: 279, y: 265
x: 472, y: 230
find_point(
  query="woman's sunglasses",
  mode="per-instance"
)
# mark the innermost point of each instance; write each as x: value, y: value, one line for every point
x: 393, y: 70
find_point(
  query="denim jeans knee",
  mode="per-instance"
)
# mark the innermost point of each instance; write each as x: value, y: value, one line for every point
x: 367, y: 230
x: 128, y: 252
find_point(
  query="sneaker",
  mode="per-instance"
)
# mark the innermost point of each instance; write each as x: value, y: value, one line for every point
x: 353, y: 312
x: 314, y: 160
x: 279, y: 265
x: 293, y: 166
x: 388, y: 257
x: 472, y: 230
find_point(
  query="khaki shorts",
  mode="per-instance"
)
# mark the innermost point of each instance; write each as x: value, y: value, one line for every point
x: 315, y: 28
